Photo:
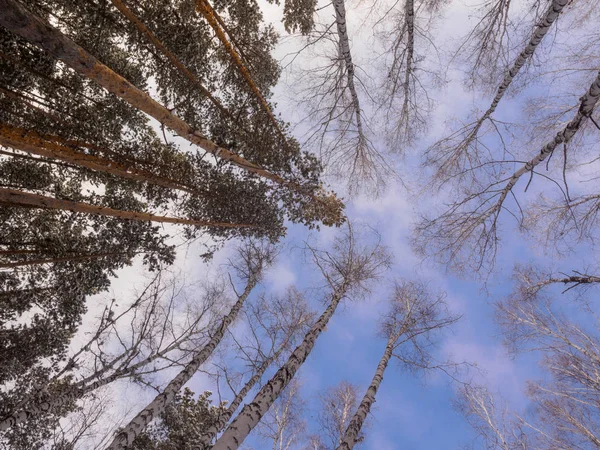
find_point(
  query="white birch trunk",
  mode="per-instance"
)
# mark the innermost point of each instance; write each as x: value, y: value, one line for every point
x: 349, y: 439
x: 540, y: 31
x: 344, y: 43
x: 207, y: 438
x: 586, y: 107
x: 160, y: 402
x: 409, y: 11
x: 252, y: 413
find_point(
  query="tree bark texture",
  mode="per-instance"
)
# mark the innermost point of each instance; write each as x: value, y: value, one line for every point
x: 252, y: 413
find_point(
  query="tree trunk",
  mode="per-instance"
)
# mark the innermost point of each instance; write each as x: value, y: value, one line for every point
x: 213, y: 20
x: 207, y: 438
x: 586, y: 107
x: 143, y: 29
x: 409, y: 11
x: 160, y: 402
x: 344, y: 43
x: 13, y: 197
x: 32, y: 262
x: 355, y: 425
x: 540, y: 31
x: 252, y: 413
x: 23, y: 23
x: 31, y: 142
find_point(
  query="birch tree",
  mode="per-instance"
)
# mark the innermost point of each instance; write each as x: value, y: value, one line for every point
x: 276, y: 325
x: 153, y: 341
x: 468, y: 229
x: 253, y: 260
x: 462, y: 151
x: 348, y: 270
x: 491, y: 419
x: 333, y: 94
x: 283, y: 424
x: 336, y: 406
x: 404, y: 32
x: 414, y: 318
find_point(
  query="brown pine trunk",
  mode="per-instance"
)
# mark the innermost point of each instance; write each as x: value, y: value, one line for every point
x: 13, y: 197
x: 143, y: 29
x: 214, y: 21
x: 23, y: 23
x: 31, y: 142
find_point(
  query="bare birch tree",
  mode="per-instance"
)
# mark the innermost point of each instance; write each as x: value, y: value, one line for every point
x: 348, y: 269
x: 331, y: 93
x: 253, y: 259
x: 462, y: 151
x: 336, y: 406
x: 154, y: 341
x: 499, y: 428
x: 283, y: 425
x: 276, y: 324
x: 414, y: 318
x: 466, y: 234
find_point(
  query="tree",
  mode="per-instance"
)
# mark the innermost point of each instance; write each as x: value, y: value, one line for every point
x: 87, y: 66
x: 413, y: 319
x: 254, y: 258
x: 566, y: 401
x: 335, y: 413
x: 152, y: 342
x: 348, y: 270
x: 181, y: 423
x: 276, y: 324
x: 283, y: 424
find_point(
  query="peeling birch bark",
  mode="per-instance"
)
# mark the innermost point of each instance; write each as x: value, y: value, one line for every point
x: 13, y: 197
x: 137, y: 425
x: 252, y: 413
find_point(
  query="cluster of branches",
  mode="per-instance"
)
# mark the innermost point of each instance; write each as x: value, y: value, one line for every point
x: 565, y: 412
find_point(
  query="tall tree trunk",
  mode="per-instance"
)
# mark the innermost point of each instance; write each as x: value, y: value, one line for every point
x: 143, y: 29
x: 409, y: 11
x: 32, y: 142
x: 586, y: 107
x: 73, y: 258
x: 344, y: 48
x: 207, y: 438
x: 160, y: 402
x: 17, y: 19
x: 550, y: 16
x: 252, y: 413
x: 349, y: 439
x: 13, y: 197
x: 213, y: 20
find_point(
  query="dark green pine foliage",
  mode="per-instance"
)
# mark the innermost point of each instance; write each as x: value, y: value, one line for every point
x: 182, y: 425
